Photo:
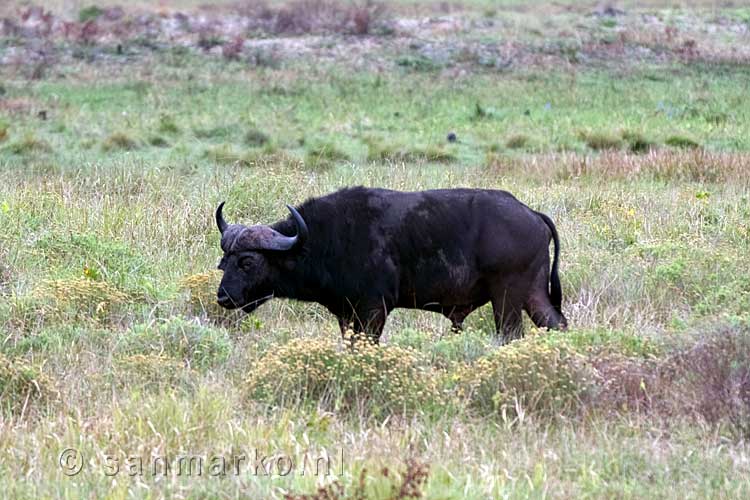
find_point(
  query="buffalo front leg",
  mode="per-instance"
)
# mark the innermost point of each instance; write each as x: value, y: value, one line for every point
x: 457, y: 315
x: 368, y: 323
x: 508, y: 319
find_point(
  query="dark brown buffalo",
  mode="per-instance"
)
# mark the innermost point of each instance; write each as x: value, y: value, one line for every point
x: 363, y: 252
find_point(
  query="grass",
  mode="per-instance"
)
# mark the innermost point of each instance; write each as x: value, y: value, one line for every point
x: 112, y: 342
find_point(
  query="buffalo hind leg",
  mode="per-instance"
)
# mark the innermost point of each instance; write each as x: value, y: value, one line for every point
x: 543, y: 313
x: 540, y: 309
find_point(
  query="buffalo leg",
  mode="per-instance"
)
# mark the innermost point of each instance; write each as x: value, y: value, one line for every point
x: 369, y: 322
x: 507, y: 312
x: 543, y: 313
x: 540, y: 308
x: 457, y: 315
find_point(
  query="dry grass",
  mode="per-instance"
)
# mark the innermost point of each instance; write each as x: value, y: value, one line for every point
x: 668, y: 165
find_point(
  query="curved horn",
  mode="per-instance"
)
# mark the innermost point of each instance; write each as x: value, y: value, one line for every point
x: 283, y: 243
x: 302, y: 231
x: 220, y: 218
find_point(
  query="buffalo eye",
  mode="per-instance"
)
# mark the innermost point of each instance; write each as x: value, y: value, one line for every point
x: 246, y: 263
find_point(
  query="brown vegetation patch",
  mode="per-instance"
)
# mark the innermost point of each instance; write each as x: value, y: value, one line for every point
x: 668, y: 165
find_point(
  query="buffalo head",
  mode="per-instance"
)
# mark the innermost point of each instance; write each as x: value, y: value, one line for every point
x: 252, y: 259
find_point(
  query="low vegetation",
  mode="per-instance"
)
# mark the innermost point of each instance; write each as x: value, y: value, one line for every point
x: 121, y: 129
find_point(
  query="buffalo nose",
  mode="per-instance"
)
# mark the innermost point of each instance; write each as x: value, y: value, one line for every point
x: 223, y: 299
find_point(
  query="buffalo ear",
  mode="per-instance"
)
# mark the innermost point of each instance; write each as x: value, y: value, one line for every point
x: 220, y: 222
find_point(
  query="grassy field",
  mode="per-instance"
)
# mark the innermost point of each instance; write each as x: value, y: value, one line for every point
x: 120, y: 132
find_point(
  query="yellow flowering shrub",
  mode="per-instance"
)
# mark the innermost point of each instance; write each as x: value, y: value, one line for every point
x: 382, y: 379
x: 82, y: 296
x: 21, y: 384
x: 527, y: 376
x: 202, y: 289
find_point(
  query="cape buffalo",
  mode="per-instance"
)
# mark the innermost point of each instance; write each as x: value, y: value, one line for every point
x: 363, y: 252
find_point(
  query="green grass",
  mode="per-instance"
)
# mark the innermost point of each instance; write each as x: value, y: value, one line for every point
x: 112, y: 342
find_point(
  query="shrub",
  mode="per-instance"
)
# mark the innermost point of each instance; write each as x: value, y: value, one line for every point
x: 199, y: 346
x: 82, y: 296
x: 526, y: 377
x: 202, y: 292
x: 713, y: 378
x: 21, y: 384
x: 381, y: 380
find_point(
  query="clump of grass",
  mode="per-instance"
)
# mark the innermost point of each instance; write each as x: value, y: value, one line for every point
x: 152, y: 370
x: 22, y: 384
x: 435, y: 154
x: 380, y: 152
x: 218, y: 132
x: 119, y: 141
x: 225, y: 154
x: 3, y: 132
x: 199, y: 346
x: 403, y: 485
x: 29, y: 144
x: 682, y: 142
x: 637, y: 142
x: 418, y: 63
x: 89, y: 13
x: 599, y: 141
x: 158, y: 141
x: 366, y: 378
x: 256, y: 138
x: 167, y: 125
x: 518, y: 141
x: 324, y: 156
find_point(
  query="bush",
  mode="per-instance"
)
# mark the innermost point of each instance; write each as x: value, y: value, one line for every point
x: 527, y: 377
x: 381, y: 380
x: 155, y: 371
x: 202, y: 289
x: 21, y: 384
x: 81, y: 296
x: 199, y: 346
x: 713, y: 378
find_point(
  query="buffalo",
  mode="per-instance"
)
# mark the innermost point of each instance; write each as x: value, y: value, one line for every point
x: 362, y: 252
